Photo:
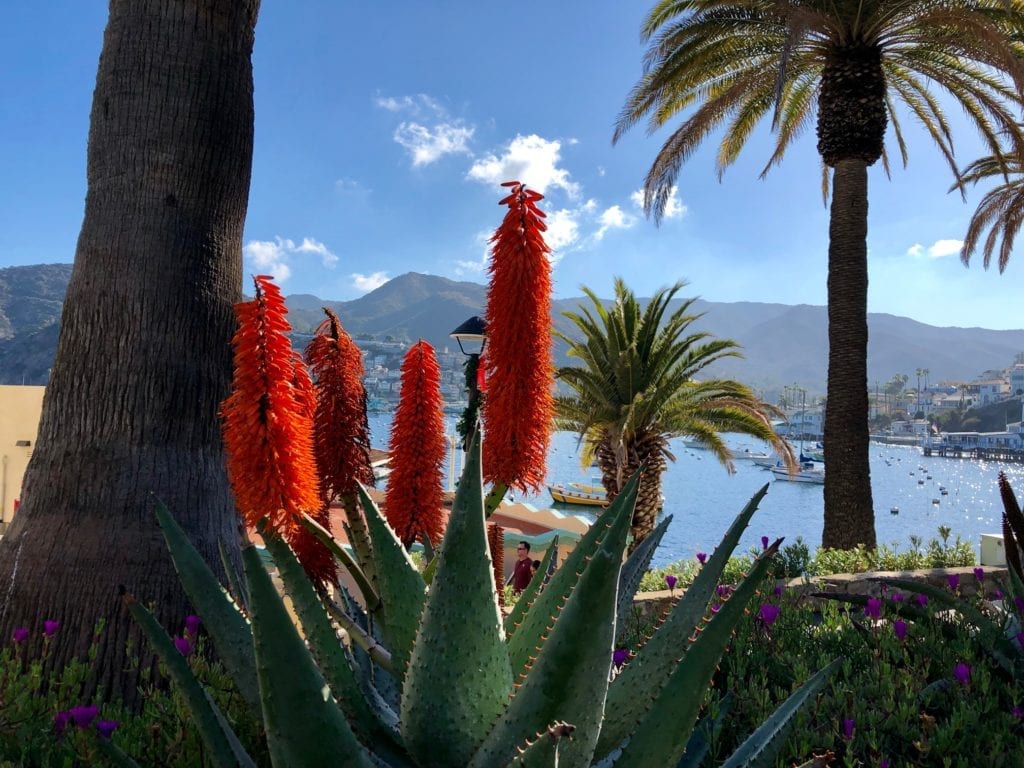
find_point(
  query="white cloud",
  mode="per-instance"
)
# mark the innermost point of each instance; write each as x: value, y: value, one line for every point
x: 419, y: 104
x: 530, y: 159
x: 367, y: 283
x: 614, y: 218
x: 937, y: 250
x: 275, y: 257
x: 673, y: 208
x: 563, y: 231
x: 428, y: 145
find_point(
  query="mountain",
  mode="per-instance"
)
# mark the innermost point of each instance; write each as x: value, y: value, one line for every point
x: 782, y: 344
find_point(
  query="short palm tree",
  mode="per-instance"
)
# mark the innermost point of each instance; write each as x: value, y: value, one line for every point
x: 1001, y: 210
x: 635, y: 388
x: 849, y: 63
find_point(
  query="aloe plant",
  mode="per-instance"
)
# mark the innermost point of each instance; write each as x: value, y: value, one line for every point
x: 471, y: 688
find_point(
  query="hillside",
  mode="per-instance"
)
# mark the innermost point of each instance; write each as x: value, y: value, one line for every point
x: 782, y: 344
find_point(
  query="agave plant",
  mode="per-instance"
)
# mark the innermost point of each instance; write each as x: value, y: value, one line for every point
x: 433, y: 676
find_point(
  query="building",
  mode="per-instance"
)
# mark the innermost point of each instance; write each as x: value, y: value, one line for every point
x: 20, y: 408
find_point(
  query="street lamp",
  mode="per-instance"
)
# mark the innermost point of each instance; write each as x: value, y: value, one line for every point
x: 472, y: 337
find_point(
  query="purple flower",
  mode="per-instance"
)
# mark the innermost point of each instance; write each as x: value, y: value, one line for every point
x: 702, y: 557
x: 1020, y: 639
x: 106, y: 728
x: 1019, y: 602
x: 723, y: 590
x: 979, y: 574
x: 192, y: 623
x: 671, y: 581
x: 954, y: 581
x: 769, y: 613
x: 922, y: 600
x: 716, y: 607
x: 883, y: 763
x: 1018, y: 712
x: 83, y: 716
x: 620, y: 656
x: 899, y: 628
x: 962, y: 673
x: 897, y: 597
x: 997, y: 594
x: 50, y: 627
x: 778, y: 590
x: 764, y: 542
x: 20, y: 635
x: 183, y: 644
x: 848, y: 726
x: 873, y: 609
x: 60, y: 722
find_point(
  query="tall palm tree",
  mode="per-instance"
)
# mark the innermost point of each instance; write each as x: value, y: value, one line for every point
x: 847, y: 62
x: 1001, y: 210
x: 636, y: 388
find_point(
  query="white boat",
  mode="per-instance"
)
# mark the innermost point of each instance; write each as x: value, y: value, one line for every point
x: 578, y: 493
x: 808, y: 473
x: 694, y: 444
x: 747, y: 455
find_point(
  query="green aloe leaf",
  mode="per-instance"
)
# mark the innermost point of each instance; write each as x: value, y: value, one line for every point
x: 543, y: 750
x: 458, y: 680
x: 359, y: 576
x: 304, y: 725
x: 636, y: 566
x: 330, y: 654
x: 699, y: 744
x: 523, y: 644
x: 225, y: 751
x: 401, y: 587
x: 662, y: 734
x: 633, y: 690
x: 568, y: 680
x: 234, y: 580
x: 761, y: 748
x: 225, y: 624
x: 515, y: 616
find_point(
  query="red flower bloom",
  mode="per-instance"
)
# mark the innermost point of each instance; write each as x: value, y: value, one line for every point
x: 268, y: 420
x: 413, y: 499
x: 342, y: 432
x: 519, y: 408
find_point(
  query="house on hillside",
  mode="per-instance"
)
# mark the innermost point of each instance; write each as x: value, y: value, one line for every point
x: 993, y: 391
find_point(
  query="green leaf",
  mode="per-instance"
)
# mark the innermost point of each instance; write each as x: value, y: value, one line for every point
x: 224, y: 750
x: 661, y: 736
x: 636, y: 566
x: 543, y: 750
x: 569, y: 679
x: 700, y: 740
x: 359, y: 576
x: 304, y: 726
x: 515, y: 616
x: 458, y: 680
x: 402, y: 589
x: 117, y: 756
x: 225, y: 624
x: 522, y: 645
x: 329, y: 653
x: 234, y: 581
x: 761, y: 748
x: 634, y: 688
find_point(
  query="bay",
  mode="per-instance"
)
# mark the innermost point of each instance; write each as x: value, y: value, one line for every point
x: 703, y: 498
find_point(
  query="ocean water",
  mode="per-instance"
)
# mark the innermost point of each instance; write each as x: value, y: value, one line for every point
x: 703, y: 498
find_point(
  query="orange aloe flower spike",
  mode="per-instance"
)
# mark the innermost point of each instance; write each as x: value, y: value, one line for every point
x: 518, y: 412
x: 413, y: 500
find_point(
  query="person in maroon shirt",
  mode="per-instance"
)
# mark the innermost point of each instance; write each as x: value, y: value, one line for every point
x: 524, y: 567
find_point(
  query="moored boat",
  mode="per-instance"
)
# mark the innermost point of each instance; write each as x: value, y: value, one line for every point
x: 578, y: 493
x: 807, y: 473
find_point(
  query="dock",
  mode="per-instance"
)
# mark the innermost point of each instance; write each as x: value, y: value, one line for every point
x: 1005, y: 455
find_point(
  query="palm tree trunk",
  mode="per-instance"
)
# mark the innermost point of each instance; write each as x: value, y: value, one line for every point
x: 144, y: 357
x: 849, y: 513
x: 647, y: 454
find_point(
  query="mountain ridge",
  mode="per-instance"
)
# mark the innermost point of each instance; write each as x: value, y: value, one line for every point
x: 782, y: 344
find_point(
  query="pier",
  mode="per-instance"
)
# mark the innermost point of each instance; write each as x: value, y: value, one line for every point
x: 984, y: 454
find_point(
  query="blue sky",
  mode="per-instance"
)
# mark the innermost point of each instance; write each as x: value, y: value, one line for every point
x: 384, y: 129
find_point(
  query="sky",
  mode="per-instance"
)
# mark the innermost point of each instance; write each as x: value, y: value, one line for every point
x: 383, y: 132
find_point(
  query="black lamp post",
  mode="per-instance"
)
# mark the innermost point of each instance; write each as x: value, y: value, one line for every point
x: 472, y: 337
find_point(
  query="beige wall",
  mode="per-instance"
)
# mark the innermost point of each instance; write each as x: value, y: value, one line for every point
x: 20, y: 408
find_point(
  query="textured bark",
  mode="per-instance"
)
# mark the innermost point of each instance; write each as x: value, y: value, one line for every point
x: 144, y: 358
x: 649, y: 452
x: 849, y: 513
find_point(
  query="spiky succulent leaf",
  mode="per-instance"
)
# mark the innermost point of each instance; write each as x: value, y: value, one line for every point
x: 228, y: 629
x: 330, y: 654
x: 458, y: 680
x: 633, y: 689
x: 224, y: 749
x: 304, y: 726
x: 761, y: 748
x: 635, y: 567
x: 532, y: 589
x: 543, y: 750
x: 660, y: 738
x: 401, y: 587
x: 359, y: 576
x: 544, y: 610
x: 700, y: 740
x: 117, y: 756
x: 235, y: 586
x: 568, y: 680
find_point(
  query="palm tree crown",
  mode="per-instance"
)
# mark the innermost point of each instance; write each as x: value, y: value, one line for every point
x: 1001, y: 210
x: 636, y: 388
